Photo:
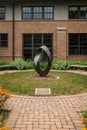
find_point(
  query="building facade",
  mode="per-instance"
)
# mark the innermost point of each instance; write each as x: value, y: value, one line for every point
x: 25, y: 25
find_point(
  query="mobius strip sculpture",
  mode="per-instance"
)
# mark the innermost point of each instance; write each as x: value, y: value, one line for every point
x: 37, y: 60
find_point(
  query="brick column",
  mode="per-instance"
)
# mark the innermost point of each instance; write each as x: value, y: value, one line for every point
x: 61, y: 43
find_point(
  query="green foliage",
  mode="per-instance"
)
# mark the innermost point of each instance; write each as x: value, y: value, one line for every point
x: 60, y: 65
x: 65, y: 65
x: 4, y: 114
x: 1, y: 117
x: 84, y: 116
x: 20, y: 64
x: 43, y: 65
x: 4, y: 63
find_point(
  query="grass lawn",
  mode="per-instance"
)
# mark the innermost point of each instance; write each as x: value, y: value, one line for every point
x: 20, y: 83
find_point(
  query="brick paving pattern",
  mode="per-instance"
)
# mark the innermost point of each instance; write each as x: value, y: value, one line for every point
x: 46, y: 113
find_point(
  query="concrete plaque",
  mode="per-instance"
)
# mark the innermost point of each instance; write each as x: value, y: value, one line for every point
x: 42, y: 92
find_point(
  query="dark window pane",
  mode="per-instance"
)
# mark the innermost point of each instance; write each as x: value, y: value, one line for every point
x: 3, y: 36
x: 26, y: 16
x: 78, y: 12
x: 26, y: 9
x: 48, y: 16
x: 1, y: 16
x: 48, y: 9
x: 3, y: 43
x: 27, y: 40
x: 3, y: 40
x: 2, y: 10
x: 83, y: 51
x: 37, y: 40
x: 48, y: 40
x: 81, y: 47
x: 83, y: 40
x: 83, y: 12
x: 73, y: 39
x: 2, y: 13
x: 26, y: 12
x: 37, y: 9
x: 37, y: 16
x: 73, y: 50
x: 27, y: 54
x: 37, y: 12
x: 48, y: 12
x: 73, y: 12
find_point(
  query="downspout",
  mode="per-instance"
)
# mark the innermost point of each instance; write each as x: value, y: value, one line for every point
x: 13, y: 29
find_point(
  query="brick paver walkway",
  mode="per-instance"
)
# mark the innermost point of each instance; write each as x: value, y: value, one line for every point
x: 46, y: 113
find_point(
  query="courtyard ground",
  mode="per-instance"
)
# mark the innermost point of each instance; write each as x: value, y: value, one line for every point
x: 46, y: 113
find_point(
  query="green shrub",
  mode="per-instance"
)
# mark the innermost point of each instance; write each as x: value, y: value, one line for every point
x: 43, y: 65
x: 4, y: 63
x: 65, y: 65
x: 60, y: 65
x: 20, y: 64
x: 84, y: 63
x: 55, y: 65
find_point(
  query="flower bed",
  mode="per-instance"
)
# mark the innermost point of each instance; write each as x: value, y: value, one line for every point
x: 84, y: 120
x: 4, y: 95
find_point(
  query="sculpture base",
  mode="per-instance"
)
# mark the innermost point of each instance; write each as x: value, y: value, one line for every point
x: 48, y: 77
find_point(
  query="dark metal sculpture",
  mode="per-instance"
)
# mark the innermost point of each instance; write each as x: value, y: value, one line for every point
x: 37, y: 60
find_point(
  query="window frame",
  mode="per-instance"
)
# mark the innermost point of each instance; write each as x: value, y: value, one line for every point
x: 3, y: 13
x: 32, y: 48
x: 79, y: 46
x: 5, y: 40
x: 32, y: 12
x: 78, y: 9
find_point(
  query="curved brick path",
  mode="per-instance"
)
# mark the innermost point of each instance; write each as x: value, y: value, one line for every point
x: 46, y: 113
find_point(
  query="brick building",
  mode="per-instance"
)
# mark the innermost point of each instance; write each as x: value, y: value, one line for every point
x: 27, y: 24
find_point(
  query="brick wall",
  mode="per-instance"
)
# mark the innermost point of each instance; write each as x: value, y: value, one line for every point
x: 6, y: 53
x: 60, y: 38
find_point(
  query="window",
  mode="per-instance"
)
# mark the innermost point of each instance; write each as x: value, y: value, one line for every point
x: 3, y: 40
x: 78, y: 44
x: 48, y: 12
x: 79, y: 12
x: 2, y: 13
x: 31, y: 42
x: 37, y: 13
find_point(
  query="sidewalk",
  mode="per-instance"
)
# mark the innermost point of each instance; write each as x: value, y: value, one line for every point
x: 46, y: 113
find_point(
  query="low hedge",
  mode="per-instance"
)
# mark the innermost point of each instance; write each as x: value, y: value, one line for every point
x: 66, y: 65
x: 6, y: 67
x: 20, y: 64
